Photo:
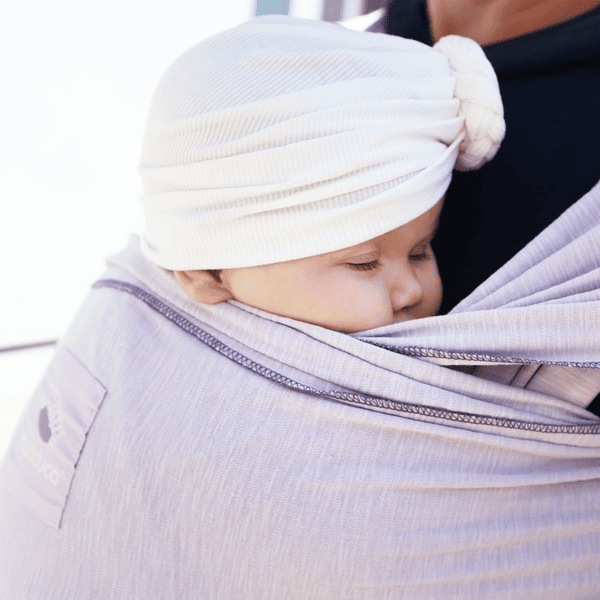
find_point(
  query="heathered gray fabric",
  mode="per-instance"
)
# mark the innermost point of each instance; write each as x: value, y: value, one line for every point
x: 235, y: 454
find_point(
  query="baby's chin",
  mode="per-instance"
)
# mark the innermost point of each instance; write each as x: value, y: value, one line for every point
x: 355, y: 327
x: 407, y: 318
x: 355, y: 324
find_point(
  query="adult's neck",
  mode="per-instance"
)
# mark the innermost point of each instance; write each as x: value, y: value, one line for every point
x: 491, y: 21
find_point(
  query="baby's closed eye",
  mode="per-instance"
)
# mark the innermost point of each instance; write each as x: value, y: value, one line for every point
x: 367, y: 266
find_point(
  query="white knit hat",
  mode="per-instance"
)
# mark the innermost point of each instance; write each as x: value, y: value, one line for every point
x: 285, y: 138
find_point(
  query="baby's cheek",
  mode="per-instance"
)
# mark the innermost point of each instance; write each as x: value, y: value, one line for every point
x: 433, y: 294
x: 368, y: 309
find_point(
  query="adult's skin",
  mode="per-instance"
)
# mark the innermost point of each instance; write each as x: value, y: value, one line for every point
x: 491, y: 21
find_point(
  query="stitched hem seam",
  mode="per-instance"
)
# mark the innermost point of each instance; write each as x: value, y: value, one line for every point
x: 349, y: 397
x: 435, y: 353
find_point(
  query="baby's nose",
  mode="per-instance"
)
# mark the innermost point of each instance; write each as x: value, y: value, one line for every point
x: 406, y: 291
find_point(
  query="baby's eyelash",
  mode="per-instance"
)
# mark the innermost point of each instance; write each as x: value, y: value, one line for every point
x: 369, y: 266
x: 421, y: 253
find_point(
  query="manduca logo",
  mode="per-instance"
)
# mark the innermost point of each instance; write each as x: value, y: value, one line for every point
x: 38, y: 462
x: 50, y: 422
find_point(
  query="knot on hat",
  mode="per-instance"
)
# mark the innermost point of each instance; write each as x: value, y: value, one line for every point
x: 480, y: 101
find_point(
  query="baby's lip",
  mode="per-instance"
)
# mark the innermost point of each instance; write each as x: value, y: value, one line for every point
x: 406, y: 314
x: 410, y: 315
x: 403, y: 318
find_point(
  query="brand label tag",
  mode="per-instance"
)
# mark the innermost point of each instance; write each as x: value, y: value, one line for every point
x: 50, y: 437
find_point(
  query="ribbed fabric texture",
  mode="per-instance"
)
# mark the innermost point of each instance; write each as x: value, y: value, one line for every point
x: 284, y: 138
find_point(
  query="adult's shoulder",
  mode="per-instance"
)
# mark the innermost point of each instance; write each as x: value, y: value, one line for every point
x: 408, y: 19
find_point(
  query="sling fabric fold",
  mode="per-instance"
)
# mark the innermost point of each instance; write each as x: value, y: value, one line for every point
x: 237, y: 454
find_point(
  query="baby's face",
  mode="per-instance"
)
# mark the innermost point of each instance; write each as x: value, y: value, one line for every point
x: 390, y: 279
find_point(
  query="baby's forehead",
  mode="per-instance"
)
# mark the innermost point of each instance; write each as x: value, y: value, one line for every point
x: 367, y: 246
x: 421, y: 229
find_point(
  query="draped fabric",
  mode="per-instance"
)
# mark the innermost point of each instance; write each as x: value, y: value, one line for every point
x: 237, y: 454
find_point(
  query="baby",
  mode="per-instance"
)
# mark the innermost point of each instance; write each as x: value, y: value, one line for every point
x: 388, y: 279
x: 210, y: 452
x: 300, y: 168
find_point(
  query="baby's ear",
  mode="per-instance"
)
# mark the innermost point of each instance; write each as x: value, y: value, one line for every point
x: 202, y: 287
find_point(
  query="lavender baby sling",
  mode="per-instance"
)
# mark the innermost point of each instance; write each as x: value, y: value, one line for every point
x: 237, y: 454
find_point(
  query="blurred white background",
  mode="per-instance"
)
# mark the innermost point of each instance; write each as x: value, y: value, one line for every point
x: 77, y: 79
